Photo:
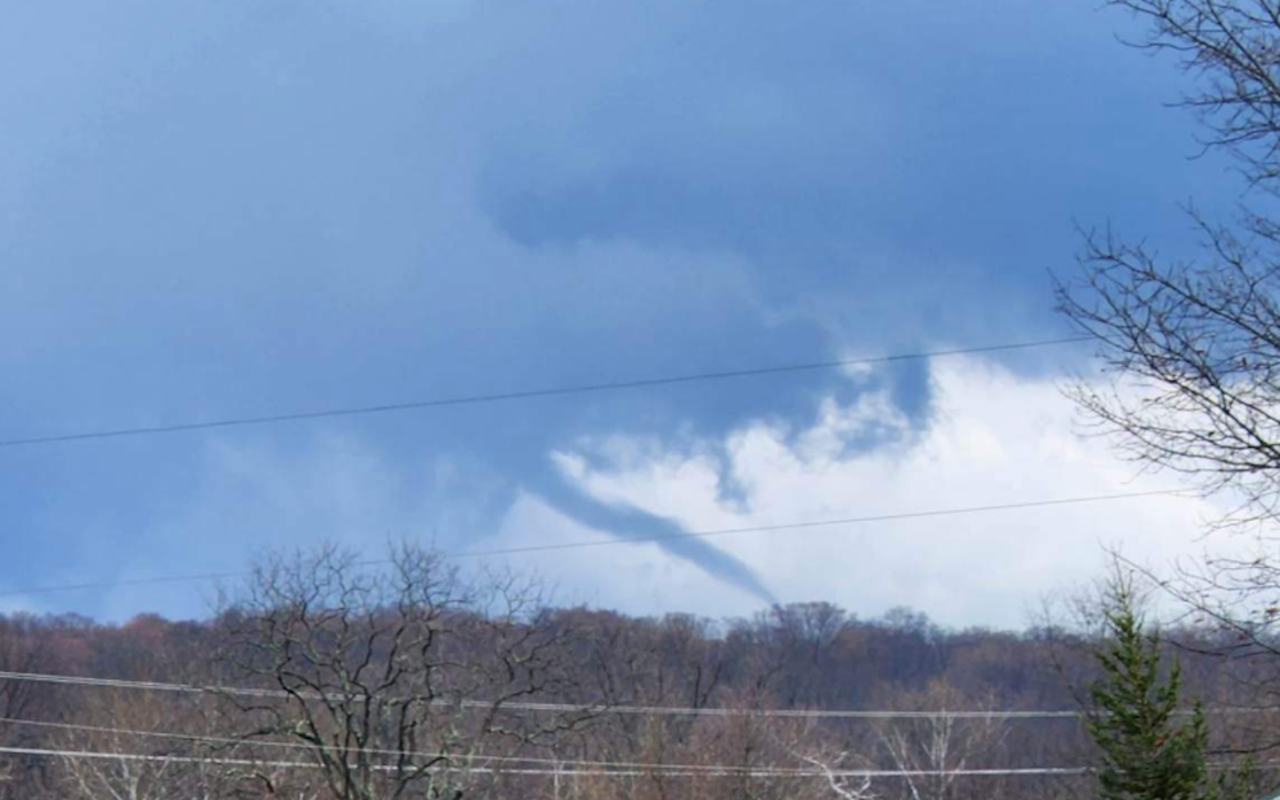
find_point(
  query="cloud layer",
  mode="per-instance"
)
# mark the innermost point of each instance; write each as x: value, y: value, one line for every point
x: 246, y: 208
x: 994, y: 438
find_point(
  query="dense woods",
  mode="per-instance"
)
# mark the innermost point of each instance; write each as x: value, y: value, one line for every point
x: 414, y: 681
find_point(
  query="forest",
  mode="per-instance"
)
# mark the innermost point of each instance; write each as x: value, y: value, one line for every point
x: 326, y: 678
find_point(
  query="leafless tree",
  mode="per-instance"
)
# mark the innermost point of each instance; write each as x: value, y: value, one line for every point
x: 931, y: 750
x: 1193, y: 345
x: 812, y: 746
x: 1196, y: 354
x: 150, y: 767
x: 26, y: 645
x: 841, y: 786
x: 1231, y: 48
x: 395, y: 677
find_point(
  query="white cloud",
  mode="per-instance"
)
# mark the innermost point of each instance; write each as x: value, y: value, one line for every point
x: 995, y: 438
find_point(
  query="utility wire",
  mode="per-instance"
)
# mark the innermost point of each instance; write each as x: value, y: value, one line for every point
x: 538, y: 548
x: 526, y: 394
x: 637, y: 710
x: 673, y: 773
x: 468, y: 757
x: 559, y: 763
x: 825, y: 523
x: 675, y: 711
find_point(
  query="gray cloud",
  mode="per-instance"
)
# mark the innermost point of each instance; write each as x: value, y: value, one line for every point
x: 247, y: 208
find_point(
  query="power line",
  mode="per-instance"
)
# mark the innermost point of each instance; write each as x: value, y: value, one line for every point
x: 797, y: 713
x: 526, y: 394
x: 468, y: 757
x: 559, y: 763
x: 825, y: 523
x: 671, y: 773
x: 538, y: 548
x: 637, y: 710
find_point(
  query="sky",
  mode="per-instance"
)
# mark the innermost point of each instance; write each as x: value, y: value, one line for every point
x: 214, y: 210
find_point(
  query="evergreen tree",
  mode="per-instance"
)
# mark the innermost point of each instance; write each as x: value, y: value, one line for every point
x: 1149, y: 754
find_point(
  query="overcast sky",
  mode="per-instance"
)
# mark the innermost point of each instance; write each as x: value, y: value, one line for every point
x: 233, y: 208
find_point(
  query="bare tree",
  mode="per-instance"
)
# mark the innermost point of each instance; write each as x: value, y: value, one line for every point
x: 813, y: 746
x: 149, y: 767
x: 1231, y: 48
x: 1196, y: 351
x: 27, y: 644
x: 1193, y: 346
x: 931, y: 750
x: 396, y: 677
x: 841, y: 786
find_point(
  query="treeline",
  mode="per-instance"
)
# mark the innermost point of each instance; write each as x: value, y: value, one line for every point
x: 417, y: 682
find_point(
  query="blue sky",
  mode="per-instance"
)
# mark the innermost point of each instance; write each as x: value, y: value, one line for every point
x: 236, y: 208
